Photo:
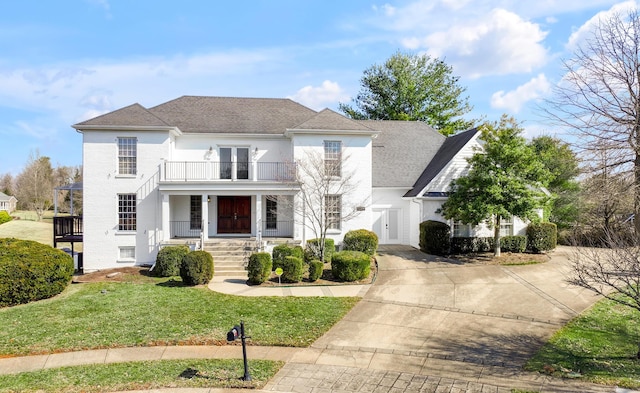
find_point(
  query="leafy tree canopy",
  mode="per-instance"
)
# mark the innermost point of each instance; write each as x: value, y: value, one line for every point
x: 504, y: 180
x: 412, y: 87
x: 563, y: 165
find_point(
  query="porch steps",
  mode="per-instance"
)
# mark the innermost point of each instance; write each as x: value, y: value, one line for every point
x: 230, y: 256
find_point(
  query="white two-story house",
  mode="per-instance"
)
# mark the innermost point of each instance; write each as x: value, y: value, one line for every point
x: 217, y: 167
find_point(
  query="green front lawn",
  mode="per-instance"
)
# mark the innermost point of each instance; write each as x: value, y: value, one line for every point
x: 105, y: 315
x: 599, y: 346
x: 216, y: 373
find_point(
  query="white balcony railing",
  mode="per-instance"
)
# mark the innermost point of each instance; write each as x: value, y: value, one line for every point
x: 226, y: 171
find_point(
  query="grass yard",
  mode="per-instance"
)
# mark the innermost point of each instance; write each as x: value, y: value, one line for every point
x: 192, y: 373
x: 39, y: 231
x: 107, y: 315
x: 598, y: 346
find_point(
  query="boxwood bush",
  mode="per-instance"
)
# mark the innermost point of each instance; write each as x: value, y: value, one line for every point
x: 541, y: 237
x: 292, y: 269
x: 315, y: 270
x: 350, y: 265
x: 360, y: 240
x: 168, y: 261
x: 513, y: 243
x: 31, y: 271
x: 465, y: 245
x: 4, y: 217
x: 196, y: 268
x: 281, y: 251
x: 312, y: 250
x: 435, y: 237
x: 259, y: 268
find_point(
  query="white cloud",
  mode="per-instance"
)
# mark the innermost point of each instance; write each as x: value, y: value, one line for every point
x: 514, y: 100
x: 320, y: 97
x: 584, y: 31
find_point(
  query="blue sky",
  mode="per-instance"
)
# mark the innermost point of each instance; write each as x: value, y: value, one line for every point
x: 62, y: 62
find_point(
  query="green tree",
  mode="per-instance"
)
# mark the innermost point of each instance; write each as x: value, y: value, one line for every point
x: 504, y: 180
x: 412, y: 87
x: 563, y: 166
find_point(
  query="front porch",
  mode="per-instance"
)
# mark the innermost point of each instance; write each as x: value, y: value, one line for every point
x: 208, y: 216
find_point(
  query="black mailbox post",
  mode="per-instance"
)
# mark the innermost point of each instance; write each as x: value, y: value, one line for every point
x: 232, y: 335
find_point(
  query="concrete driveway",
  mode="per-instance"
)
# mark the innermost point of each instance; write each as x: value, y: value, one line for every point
x: 429, y: 307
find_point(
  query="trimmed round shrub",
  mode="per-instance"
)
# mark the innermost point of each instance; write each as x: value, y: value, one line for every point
x: 168, y: 261
x: 513, y: 244
x: 196, y: 268
x: 312, y: 251
x: 281, y: 251
x: 315, y: 270
x: 541, y: 237
x: 435, y: 237
x: 350, y: 265
x: 360, y: 240
x: 259, y: 267
x: 4, y: 217
x: 31, y: 271
x: 292, y: 269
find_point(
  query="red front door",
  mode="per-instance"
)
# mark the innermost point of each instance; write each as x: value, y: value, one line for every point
x: 234, y: 214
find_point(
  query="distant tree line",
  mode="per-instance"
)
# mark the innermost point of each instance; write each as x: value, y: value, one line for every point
x: 34, y: 186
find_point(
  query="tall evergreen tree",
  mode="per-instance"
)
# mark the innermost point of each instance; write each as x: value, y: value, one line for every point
x: 412, y: 87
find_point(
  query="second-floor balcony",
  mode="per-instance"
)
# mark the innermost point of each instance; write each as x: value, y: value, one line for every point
x: 184, y: 171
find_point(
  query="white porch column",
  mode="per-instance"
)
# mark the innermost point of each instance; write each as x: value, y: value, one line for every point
x: 259, y: 216
x: 165, y: 217
x: 205, y: 216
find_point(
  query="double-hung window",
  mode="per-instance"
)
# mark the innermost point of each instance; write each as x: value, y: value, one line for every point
x: 506, y: 226
x: 127, y: 155
x: 333, y: 158
x: 461, y: 230
x: 126, y: 212
x: 333, y: 211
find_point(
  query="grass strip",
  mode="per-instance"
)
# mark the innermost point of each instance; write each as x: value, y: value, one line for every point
x: 110, y: 315
x: 598, y: 346
x: 190, y: 373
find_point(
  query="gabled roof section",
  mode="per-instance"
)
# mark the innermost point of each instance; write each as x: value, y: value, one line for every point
x: 445, y: 154
x: 130, y: 116
x: 401, y: 151
x: 5, y: 197
x: 201, y: 114
x: 327, y: 119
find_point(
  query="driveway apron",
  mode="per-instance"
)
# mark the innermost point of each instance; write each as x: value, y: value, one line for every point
x: 431, y: 307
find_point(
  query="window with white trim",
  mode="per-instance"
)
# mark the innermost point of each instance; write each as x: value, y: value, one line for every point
x: 461, y: 230
x: 506, y: 226
x: 333, y: 158
x: 333, y: 211
x: 272, y: 213
x: 126, y: 253
x: 195, y: 213
x: 127, y: 212
x: 127, y: 155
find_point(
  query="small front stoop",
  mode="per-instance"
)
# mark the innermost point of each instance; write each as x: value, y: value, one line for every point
x: 230, y: 256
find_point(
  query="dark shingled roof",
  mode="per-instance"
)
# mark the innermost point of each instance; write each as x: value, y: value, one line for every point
x: 401, y: 151
x: 132, y: 115
x: 194, y: 114
x: 327, y: 119
x: 200, y: 114
x: 445, y: 154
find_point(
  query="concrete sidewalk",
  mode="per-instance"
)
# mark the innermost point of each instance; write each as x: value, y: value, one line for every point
x: 238, y: 286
